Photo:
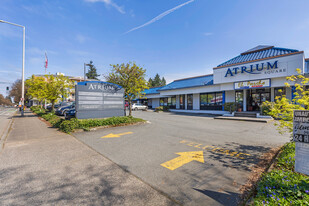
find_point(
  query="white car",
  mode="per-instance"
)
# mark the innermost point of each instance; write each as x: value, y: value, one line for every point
x: 137, y: 106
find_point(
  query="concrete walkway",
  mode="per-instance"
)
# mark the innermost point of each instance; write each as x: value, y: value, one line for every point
x: 41, y: 166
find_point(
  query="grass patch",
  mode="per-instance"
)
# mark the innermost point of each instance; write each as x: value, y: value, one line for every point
x: 283, y: 186
x: 69, y: 126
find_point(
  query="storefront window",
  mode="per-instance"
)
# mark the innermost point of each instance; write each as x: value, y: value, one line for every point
x: 219, y: 99
x: 163, y: 101
x: 211, y: 101
x: 172, y: 102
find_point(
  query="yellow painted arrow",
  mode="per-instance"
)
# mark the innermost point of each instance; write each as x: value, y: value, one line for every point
x: 111, y: 135
x: 184, y: 158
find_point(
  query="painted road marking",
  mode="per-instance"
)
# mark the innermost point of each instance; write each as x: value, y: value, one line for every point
x: 232, y: 153
x: 184, y: 158
x: 111, y: 135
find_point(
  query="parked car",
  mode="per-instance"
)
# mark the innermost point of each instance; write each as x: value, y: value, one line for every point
x: 69, y: 114
x: 137, y: 106
x: 61, y: 110
x: 56, y: 106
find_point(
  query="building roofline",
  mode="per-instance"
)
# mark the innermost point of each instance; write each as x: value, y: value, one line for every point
x: 283, y: 55
x: 187, y: 87
x: 263, y: 49
x: 193, y: 77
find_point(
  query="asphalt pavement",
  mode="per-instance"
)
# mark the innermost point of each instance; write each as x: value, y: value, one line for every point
x: 193, y: 159
x: 42, y: 166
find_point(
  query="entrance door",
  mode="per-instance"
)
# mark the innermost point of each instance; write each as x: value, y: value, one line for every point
x: 239, y: 99
x: 256, y: 97
x: 182, y: 101
x: 189, y: 101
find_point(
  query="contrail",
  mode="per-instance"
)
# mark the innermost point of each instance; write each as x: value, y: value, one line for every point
x: 160, y: 16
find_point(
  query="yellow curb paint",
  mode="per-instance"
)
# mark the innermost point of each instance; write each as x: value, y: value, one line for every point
x: 184, y: 158
x: 111, y: 135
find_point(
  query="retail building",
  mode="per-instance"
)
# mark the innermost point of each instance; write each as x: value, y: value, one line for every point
x: 253, y: 77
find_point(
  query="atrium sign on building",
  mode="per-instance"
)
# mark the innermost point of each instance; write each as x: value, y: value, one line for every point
x: 98, y: 100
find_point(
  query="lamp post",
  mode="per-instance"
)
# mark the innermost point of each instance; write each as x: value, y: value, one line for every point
x: 23, y: 67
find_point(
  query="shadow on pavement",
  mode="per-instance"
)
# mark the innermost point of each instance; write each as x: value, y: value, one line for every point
x: 226, y: 198
x: 255, y: 153
x: 68, y: 185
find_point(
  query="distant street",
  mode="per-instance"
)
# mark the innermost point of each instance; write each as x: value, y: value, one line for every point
x: 194, y: 159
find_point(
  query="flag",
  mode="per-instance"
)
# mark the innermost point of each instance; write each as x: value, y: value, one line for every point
x: 46, y: 61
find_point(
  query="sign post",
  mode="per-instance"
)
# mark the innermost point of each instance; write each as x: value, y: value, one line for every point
x: 301, y: 139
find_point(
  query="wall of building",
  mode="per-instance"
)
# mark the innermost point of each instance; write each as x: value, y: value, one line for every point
x: 230, y: 96
x: 155, y: 102
x: 196, y: 101
x: 192, y: 90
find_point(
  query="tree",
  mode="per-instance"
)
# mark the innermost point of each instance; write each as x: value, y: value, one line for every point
x: 150, y: 82
x: 92, y: 72
x: 163, y: 82
x: 283, y: 108
x: 57, y: 88
x: 15, y: 92
x: 5, y: 101
x: 131, y: 77
x: 156, y: 81
x: 37, y: 88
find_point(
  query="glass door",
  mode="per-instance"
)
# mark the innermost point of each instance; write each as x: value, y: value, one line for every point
x: 239, y: 100
x: 189, y: 101
x: 182, y: 101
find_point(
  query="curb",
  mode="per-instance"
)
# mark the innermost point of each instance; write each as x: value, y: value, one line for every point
x: 5, y: 134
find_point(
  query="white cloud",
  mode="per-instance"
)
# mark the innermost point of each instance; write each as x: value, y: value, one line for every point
x: 109, y: 3
x: 208, y: 33
x: 157, y: 18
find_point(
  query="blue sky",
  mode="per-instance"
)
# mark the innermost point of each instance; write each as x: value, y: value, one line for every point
x: 175, y: 38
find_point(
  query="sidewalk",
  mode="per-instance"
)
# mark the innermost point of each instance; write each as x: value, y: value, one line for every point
x: 40, y: 165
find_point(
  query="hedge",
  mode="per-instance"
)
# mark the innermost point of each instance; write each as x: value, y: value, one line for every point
x: 73, y: 124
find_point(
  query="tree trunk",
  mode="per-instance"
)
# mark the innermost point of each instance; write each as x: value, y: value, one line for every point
x: 130, y: 108
x: 53, y: 105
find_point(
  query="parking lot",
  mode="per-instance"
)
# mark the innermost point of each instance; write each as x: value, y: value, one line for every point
x: 193, y: 159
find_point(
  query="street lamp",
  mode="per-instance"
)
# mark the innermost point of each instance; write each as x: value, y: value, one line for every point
x: 23, y: 68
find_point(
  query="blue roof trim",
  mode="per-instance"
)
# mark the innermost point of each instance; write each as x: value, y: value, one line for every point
x: 153, y: 90
x: 100, y: 82
x: 189, y: 82
x: 256, y: 53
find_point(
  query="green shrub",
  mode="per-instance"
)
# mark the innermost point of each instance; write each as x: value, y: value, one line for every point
x: 49, y: 116
x: 230, y: 106
x: 68, y: 126
x: 282, y: 185
x: 162, y: 108
x: 266, y: 107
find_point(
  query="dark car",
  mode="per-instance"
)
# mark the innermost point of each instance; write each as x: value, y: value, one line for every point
x: 61, y: 110
x: 56, y: 106
x: 69, y: 114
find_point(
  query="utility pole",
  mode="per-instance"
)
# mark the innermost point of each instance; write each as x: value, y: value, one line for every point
x: 23, y: 66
